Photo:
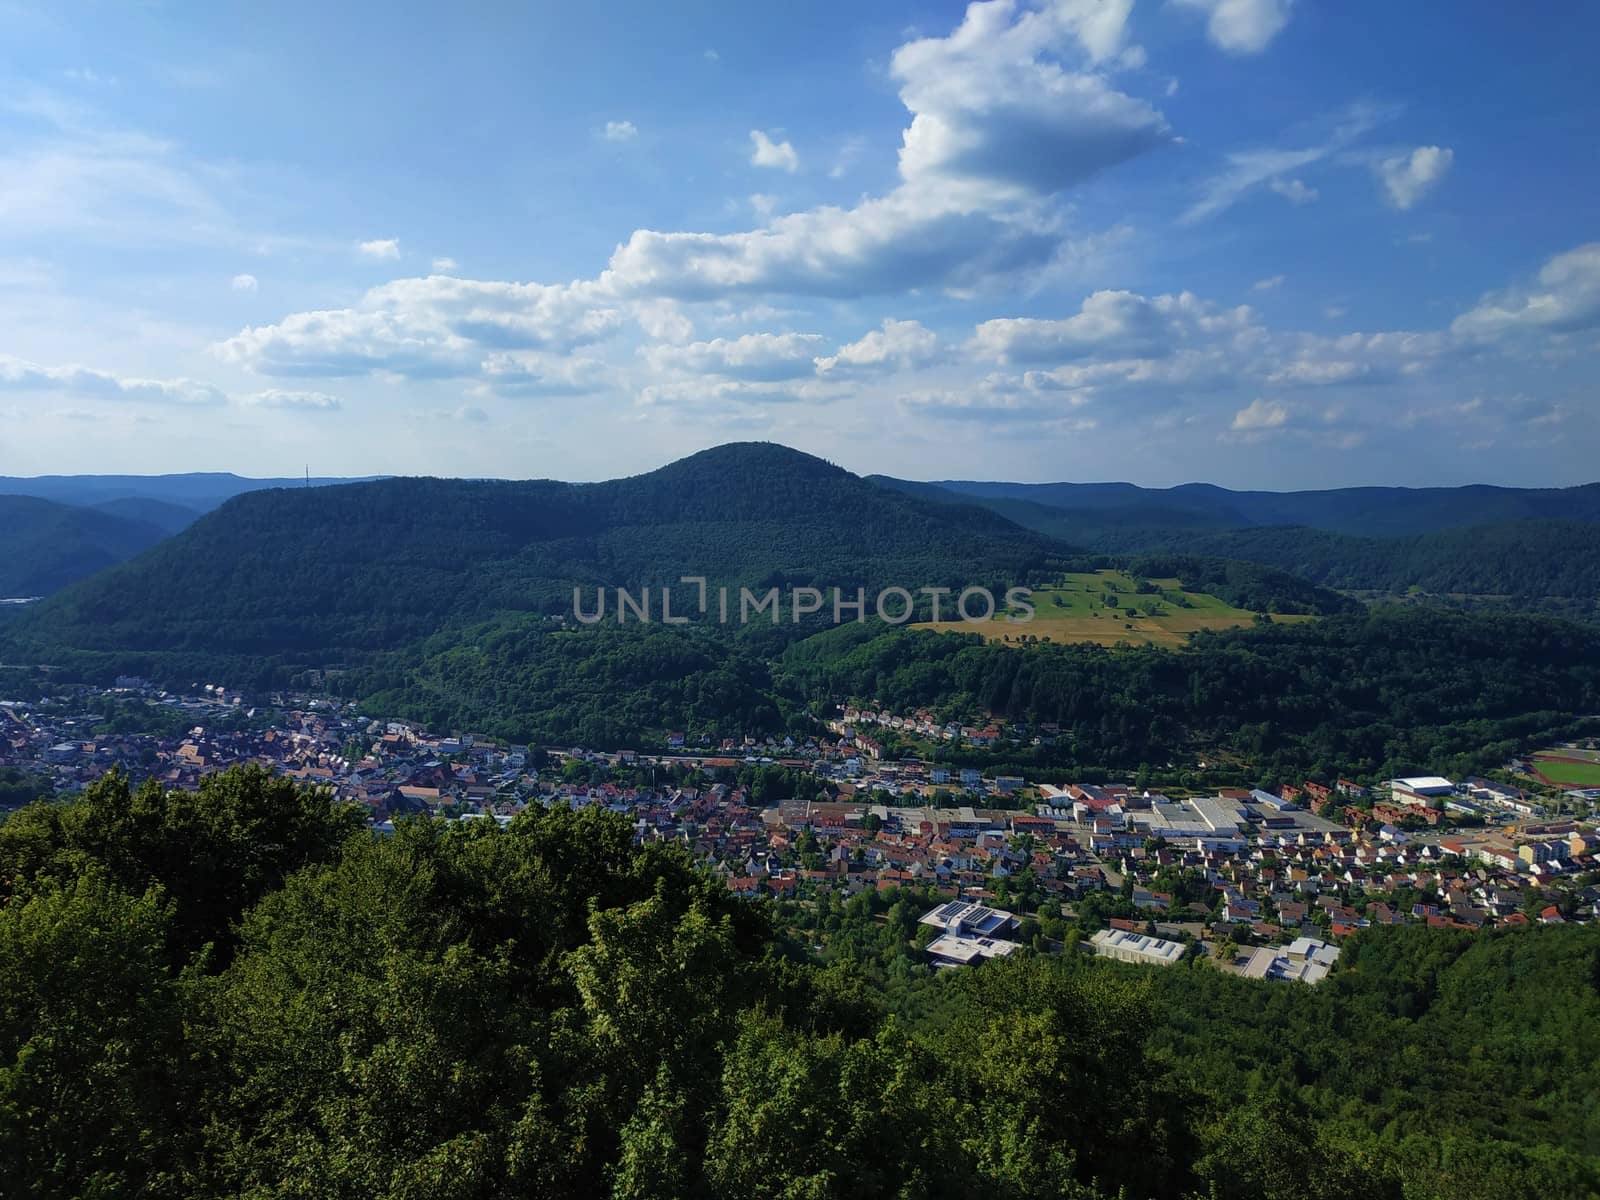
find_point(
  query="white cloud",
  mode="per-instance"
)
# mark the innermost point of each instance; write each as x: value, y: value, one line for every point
x: 444, y: 264
x: 1109, y: 324
x: 1295, y: 191
x: 994, y: 109
x: 999, y: 126
x: 732, y: 396
x: 620, y: 131
x: 379, y: 249
x: 763, y: 203
x: 903, y: 345
x: 245, y: 283
x: 888, y: 245
x: 520, y: 373
x: 764, y: 152
x: 1269, y: 283
x: 432, y: 326
x: 664, y: 320
x: 1406, y: 178
x: 1242, y: 26
x: 19, y: 375
x: 1564, y: 298
x: 295, y: 401
x: 1001, y: 402
x: 762, y: 357
x: 1259, y: 415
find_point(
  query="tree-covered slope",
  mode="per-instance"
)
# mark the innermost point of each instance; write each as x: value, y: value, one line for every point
x: 45, y: 546
x: 240, y: 992
x: 1373, y: 694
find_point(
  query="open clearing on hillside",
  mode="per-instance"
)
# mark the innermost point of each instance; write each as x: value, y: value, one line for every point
x: 1107, y: 607
x: 1555, y: 765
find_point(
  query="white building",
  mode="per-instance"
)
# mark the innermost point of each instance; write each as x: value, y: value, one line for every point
x: 1421, y: 791
x: 951, y: 951
x: 961, y: 919
x: 1136, y: 948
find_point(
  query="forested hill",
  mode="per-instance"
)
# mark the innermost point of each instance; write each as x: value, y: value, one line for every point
x: 341, y: 571
x: 44, y: 546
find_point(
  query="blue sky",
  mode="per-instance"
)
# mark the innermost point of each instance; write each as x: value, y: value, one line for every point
x: 1265, y: 243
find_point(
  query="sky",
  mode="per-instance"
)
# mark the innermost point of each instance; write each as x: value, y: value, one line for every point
x: 1260, y: 243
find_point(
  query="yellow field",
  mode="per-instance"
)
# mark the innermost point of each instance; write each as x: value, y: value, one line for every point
x: 1106, y: 608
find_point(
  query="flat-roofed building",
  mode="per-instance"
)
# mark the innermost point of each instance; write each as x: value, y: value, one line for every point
x: 960, y: 919
x: 1136, y: 948
x: 1421, y: 791
x: 949, y: 950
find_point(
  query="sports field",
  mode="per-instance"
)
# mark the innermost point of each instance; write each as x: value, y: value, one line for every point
x: 1107, y: 607
x: 1550, y: 764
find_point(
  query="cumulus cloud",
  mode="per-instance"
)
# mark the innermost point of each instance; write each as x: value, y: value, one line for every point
x: 904, y: 345
x: 1006, y: 111
x: 994, y: 108
x: 664, y: 320
x: 1407, y: 178
x: 764, y: 152
x: 379, y: 249
x: 619, y: 131
x: 762, y: 357
x: 431, y: 326
x: 295, y: 401
x: 1000, y: 402
x: 1242, y: 26
x: 891, y: 244
x: 1109, y: 323
x: 520, y: 373
x: 723, y: 397
x: 245, y: 283
x: 1563, y: 298
x: 1269, y: 283
x: 444, y: 264
x: 20, y: 375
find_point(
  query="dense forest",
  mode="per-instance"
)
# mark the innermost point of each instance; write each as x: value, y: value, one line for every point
x: 1376, y: 693
x: 241, y: 992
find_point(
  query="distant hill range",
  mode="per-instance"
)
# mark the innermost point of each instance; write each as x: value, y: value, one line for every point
x: 1476, y: 545
x: 196, y: 492
x: 1366, y: 511
x: 58, y: 529
x: 44, y: 546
